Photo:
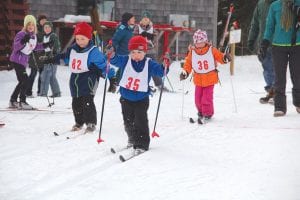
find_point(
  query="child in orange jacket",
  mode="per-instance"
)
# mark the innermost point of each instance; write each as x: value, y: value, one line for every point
x: 201, y: 59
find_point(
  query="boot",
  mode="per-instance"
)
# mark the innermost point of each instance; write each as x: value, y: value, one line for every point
x: 25, y: 106
x: 76, y: 127
x: 268, y: 98
x: 278, y: 113
x: 298, y: 109
x: 90, y: 128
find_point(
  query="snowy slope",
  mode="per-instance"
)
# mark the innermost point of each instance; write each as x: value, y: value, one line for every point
x: 244, y: 153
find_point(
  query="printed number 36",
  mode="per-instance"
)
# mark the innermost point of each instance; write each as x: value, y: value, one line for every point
x: 203, y: 65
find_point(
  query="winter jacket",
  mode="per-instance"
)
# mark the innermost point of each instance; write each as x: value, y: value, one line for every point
x: 17, y: 55
x: 121, y: 37
x: 154, y: 69
x: 52, y: 52
x: 258, y: 23
x: 85, y: 83
x: 209, y: 78
x: 274, y: 30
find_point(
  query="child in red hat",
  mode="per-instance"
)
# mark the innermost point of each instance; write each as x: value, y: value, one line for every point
x: 201, y: 60
x: 136, y: 71
x: 86, y: 63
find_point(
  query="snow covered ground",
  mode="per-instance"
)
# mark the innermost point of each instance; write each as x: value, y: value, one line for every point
x: 244, y: 153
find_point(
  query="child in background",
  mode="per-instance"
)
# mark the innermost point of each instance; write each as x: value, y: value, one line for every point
x: 24, y: 43
x: 48, y: 76
x: 86, y: 63
x: 201, y: 59
x: 136, y: 71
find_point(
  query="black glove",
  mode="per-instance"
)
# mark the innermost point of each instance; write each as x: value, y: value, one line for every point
x: 109, y: 50
x: 46, y: 59
x: 183, y: 75
x: 250, y: 45
x: 227, y: 57
x: 25, y: 39
x: 263, y: 50
x: 48, y: 44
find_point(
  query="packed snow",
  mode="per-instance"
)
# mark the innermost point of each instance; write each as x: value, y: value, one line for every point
x: 243, y: 153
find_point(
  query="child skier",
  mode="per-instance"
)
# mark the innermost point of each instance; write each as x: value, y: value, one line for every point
x: 202, y: 59
x: 24, y: 43
x: 136, y: 71
x: 86, y: 63
x: 48, y: 75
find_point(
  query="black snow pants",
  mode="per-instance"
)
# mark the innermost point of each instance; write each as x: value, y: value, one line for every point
x: 136, y: 122
x: 282, y: 56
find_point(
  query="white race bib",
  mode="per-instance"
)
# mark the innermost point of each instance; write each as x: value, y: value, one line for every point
x: 135, y: 81
x: 203, y: 64
x: 29, y: 46
x: 78, y: 62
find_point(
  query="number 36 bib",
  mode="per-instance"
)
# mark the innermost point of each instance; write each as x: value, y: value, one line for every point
x: 203, y: 64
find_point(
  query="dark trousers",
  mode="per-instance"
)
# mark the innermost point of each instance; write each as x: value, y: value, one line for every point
x: 21, y: 87
x: 136, y: 122
x: 282, y: 56
x: 84, y: 110
x: 31, y: 78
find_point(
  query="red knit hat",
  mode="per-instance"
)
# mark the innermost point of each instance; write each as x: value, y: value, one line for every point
x: 137, y: 43
x: 84, y: 29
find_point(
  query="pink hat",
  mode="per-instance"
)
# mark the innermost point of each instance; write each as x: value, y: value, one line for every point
x: 84, y: 29
x: 200, y: 36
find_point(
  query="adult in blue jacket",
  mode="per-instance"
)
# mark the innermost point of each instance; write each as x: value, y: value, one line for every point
x: 282, y: 30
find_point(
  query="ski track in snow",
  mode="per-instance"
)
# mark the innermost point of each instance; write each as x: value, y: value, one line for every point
x: 247, y: 154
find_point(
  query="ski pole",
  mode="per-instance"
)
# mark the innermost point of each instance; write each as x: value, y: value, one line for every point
x: 231, y: 8
x: 154, y: 133
x: 99, y: 140
x: 227, y: 50
x: 182, y: 102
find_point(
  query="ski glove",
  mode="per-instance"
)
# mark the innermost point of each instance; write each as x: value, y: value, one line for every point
x: 183, y: 75
x: 47, y: 59
x: 25, y: 39
x: 227, y: 57
x: 263, y: 50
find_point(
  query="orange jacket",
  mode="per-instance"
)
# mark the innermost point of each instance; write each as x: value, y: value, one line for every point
x: 209, y: 78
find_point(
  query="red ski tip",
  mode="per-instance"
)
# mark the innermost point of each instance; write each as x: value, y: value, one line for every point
x: 99, y: 140
x: 154, y: 134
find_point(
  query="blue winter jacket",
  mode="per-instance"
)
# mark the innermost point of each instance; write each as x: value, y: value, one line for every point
x: 86, y: 83
x: 274, y: 29
x: 121, y: 38
x: 155, y: 69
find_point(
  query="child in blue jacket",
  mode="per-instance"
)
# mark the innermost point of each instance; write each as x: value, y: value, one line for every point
x: 86, y: 63
x: 136, y: 72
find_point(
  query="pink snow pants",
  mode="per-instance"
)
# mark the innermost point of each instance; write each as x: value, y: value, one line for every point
x: 204, y: 100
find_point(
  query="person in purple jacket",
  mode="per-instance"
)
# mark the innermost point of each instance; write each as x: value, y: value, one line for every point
x: 136, y: 72
x: 24, y: 43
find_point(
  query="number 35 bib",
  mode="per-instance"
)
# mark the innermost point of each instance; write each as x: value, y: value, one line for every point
x: 136, y: 81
